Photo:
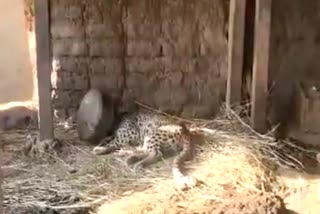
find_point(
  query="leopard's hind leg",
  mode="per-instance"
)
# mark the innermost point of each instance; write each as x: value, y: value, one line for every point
x: 145, y: 159
x: 150, y: 155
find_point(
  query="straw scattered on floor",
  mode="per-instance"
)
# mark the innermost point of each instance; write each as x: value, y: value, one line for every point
x: 234, y: 162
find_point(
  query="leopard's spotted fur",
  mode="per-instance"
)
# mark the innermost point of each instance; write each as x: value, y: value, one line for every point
x: 159, y: 137
x: 133, y: 129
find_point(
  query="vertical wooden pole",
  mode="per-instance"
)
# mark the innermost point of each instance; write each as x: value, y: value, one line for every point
x: 235, y: 51
x: 261, y: 65
x: 43, y: 49
x: 1, y: 194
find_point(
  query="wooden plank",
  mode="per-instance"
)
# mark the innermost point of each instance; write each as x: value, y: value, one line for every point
x: 235, y: 51
x: 1, y: 182
x: 261, y: 65
x: 43, y: 44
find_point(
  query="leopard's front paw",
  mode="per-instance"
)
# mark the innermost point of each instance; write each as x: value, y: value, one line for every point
x: 99, y: 150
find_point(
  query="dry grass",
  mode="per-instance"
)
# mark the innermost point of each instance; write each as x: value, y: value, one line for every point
x: 221, y: 176
x: 303, y: 191
x: 235, y: 161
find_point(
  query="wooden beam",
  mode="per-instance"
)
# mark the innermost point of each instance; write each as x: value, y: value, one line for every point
x: 235, y: 51
x: 1, y: 182
x: 43, y: 49
x: 261, y: 65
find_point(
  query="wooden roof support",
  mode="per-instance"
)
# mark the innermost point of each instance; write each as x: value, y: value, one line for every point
x: 1, y: 182
x: 235, y: 51
x: 44, y: 66
x: 261, y: 65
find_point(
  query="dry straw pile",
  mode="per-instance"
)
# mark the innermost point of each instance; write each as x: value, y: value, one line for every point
x: 236, y: 163
x: 233, y: 164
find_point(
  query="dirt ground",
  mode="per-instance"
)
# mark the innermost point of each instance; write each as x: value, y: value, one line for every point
x: 76, y: 175
x: 75, y: 178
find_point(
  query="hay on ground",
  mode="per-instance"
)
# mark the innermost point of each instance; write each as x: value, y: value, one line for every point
x: 235, y: 162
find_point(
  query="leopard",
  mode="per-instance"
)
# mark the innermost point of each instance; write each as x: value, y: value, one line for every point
x: 133, y: 128
x: 159, y: 137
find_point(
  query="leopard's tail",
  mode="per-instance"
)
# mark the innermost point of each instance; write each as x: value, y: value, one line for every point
x: 185, y: 155
x: 184, y: 129
x: 191, y: 129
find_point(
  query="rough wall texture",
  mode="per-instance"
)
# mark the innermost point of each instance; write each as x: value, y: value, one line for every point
x: 295, y: 39
x: 295, y: 43
x: 171, y: 55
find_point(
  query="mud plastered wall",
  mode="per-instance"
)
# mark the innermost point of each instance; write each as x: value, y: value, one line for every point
x: 295, y: 45
x: 171, y: 55
x: 295, y: 40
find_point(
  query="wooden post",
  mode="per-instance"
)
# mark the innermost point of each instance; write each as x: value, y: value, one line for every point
x: 1, y: 178
x: 261, y: 65
x: 235, y: 51
x: 44, y: 66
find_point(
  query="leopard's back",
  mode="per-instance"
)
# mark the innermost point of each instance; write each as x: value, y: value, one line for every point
x: 135, y: 127
x: 127, y: 132
x: 149, y: 122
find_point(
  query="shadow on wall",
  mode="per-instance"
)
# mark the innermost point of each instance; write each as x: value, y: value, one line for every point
x: 16, y: 78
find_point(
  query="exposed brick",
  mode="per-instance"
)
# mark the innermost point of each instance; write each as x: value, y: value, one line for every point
x: 67, y: 13
x: 65, y: 29
x: 67, y: 98
x: 59, y: 48
x: 105, y: 66
x: 181, y: 64
x: 145, y: 30
x: 70, y: 80
x: 142, y: 87
x: 185, y: 46
x: 172, y: 54
x: 65, y: 3
x: 180, y: 37
x: 96, y: 65
x: 176, y: 78
x: 102, y: 30
x: 107, y: 48
x: 108, y: 81
x: 170, y: 102
x: 143, y: 21
x: 113, y: 66
x: 78, y: 48
x: 65, y: 64
x: 167, y: 49
x: 70, y: 47
x: 110, y: 84
x: 93, y: 12
x: 212, y: 42
x: 142, y: 65
x: 143, y: 48
x: 172, y: 28
x: 80, y: 81
x: 72, y: 64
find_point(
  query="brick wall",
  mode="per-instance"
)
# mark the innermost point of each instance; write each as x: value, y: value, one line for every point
x: 167, y: 54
